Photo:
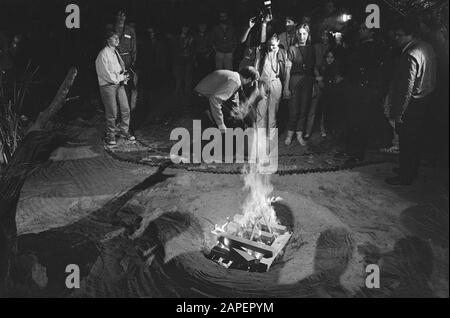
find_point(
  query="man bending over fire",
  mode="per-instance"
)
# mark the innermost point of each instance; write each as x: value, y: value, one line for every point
x: 221, y: 88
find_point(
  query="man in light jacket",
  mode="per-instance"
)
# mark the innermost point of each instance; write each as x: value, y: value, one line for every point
x: 410, y: 98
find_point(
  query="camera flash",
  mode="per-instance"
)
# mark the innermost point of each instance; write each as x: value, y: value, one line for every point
x: 346, y: 17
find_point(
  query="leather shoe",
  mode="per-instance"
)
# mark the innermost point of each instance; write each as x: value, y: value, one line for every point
x: 397, y: 181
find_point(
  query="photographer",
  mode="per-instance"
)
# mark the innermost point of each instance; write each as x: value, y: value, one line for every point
x: 253, y: 37
x: 112, y: 77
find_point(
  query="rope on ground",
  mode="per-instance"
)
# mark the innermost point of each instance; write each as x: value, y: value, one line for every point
x: 294, y: 171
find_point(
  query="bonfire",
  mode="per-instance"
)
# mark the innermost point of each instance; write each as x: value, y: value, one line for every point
x: 253, y: 239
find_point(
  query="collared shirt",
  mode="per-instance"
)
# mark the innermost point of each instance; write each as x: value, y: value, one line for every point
x: 415, y: 76
x: 271, y: 68
x: 218, y: 87
x: 109, y: 66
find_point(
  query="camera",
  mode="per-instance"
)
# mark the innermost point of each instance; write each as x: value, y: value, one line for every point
x: 268, y: 7
x: 265, y: 10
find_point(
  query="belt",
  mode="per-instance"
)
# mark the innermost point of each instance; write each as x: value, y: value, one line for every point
x: 273, y: 79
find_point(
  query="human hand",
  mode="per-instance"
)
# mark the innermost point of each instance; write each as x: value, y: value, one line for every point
x: 287, y: 94
x: 267, y: 18
x: 251, y: 22
x: 222, y: 128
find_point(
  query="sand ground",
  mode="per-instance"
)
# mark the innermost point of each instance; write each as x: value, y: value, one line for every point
x: 138, y: 232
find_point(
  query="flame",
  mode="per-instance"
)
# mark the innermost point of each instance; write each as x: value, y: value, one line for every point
x: 257, y: 207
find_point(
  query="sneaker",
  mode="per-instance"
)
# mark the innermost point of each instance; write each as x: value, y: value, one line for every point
x: 110, y: 141
x: 300, y: 139
x: 289, y: 137
x: 127, y: 136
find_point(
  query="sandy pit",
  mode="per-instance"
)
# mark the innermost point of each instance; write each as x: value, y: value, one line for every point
x: 138, y: 232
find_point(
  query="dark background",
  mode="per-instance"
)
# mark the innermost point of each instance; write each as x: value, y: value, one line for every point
x: 55, y: 48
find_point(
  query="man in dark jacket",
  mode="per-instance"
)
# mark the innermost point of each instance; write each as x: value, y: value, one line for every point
x: 224, y: 42
x: 363, y: 93
x: 410, y: 97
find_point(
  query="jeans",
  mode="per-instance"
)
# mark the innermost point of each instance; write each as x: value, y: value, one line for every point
x: 224, y: 61
x: 111, y: 96
x: 299, y: 105
x: 268, y: 107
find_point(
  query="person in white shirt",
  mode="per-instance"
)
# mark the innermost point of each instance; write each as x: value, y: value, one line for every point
x: 222, y: 86
x: 112, y: 77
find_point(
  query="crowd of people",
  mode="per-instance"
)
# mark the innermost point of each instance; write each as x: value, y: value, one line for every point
x: 308, y: 75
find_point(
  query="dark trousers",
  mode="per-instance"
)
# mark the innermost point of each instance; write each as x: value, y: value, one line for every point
x: 204, y: 67
x: 183, y: 71
x: 361, y: 103
x: 299, y: 105
x: 411, y: 133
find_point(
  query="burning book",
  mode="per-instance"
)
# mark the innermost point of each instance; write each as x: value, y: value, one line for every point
x: 252, y: 248
x: 254, y: 239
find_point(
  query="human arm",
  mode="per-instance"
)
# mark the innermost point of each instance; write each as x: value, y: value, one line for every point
x: 403, y: 87
x: 267, y: 19
x: 133, y: 47
x: 287, y: 77
x: 251, y: 24
x: 216, y: 111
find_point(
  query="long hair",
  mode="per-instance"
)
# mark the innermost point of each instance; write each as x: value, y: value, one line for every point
x: 297, y: 33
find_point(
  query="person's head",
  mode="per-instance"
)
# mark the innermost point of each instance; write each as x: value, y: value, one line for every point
x: 303, y: 33
x: 17, y: 38
x: 290, y: 23
x: 249, y: 75
x: 405, y: 31
x: 274, y: 42
x: 202, y: 27
x: 306, y: 19
x: 185, y: 29
x: 121, y: 16
x: 325, y: 37
x: 365, y: 33
x: 330, y: 57
x: 329, y: 7
x: 223, y: 17
x: 112, y: 38
x: 151, y: 32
